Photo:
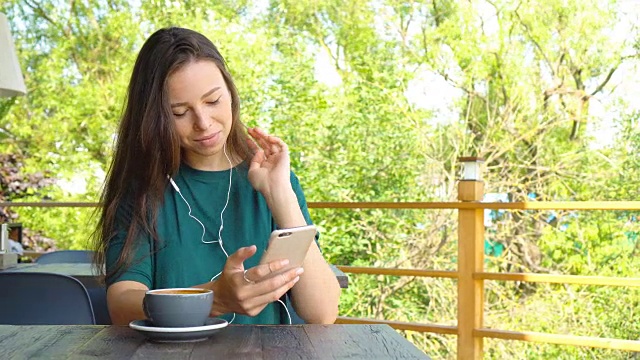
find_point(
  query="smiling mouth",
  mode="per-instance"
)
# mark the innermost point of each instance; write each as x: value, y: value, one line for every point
x: 207, y: 137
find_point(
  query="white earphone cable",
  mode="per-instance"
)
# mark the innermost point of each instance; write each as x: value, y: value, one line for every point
x: 285, y: 309
x: 191, y: 216
x: 224, y: 207
x: 219, y: 241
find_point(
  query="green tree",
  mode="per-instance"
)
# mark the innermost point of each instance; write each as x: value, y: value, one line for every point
x: 527, y: 73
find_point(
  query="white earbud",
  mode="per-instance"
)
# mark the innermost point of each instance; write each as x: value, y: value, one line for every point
x: 173, y: 183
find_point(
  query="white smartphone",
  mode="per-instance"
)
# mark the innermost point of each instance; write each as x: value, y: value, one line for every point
x: 291, y: 243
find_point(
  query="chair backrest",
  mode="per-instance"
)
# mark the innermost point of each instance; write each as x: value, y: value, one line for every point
x: 98, y: 296
x: 35, y: 298
x: 66, y: 256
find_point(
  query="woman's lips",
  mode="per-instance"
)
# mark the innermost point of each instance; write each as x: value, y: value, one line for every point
x: 209, y: 140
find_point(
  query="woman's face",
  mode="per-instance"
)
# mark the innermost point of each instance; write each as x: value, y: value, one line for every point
x: 201, y: 106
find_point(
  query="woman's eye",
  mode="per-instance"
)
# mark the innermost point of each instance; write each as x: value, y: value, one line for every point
x: 214, y: 102
x: 180, y: 115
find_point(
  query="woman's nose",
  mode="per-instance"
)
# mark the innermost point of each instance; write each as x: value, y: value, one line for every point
x: 201, y: 121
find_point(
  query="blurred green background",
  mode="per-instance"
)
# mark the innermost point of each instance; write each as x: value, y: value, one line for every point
x: 377, y: 100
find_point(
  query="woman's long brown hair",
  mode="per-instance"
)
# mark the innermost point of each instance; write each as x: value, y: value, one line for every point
x: 147, y: 147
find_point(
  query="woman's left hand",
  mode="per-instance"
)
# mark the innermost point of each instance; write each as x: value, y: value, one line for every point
x: 270, y: 166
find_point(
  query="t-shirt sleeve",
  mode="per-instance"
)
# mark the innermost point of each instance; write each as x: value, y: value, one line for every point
x: 140, y: 267
x: 302, y: 202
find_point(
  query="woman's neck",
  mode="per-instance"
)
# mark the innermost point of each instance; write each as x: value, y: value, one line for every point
x: 213, y: 163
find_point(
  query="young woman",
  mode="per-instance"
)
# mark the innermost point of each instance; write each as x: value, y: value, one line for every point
x: 190, y: 199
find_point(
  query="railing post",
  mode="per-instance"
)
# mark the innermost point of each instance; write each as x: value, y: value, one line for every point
x: 470, y: 260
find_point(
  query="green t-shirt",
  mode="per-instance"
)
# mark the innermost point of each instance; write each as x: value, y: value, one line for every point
x: 182, y: 258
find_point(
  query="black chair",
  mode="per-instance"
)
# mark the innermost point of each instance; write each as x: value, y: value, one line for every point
x: 98, y: 295
x: 33, y: 298
x: 66, y: 256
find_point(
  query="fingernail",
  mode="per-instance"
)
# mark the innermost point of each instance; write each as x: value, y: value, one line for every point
x: 299, y: 271
x: 284, y: 262
x: 296, y: 279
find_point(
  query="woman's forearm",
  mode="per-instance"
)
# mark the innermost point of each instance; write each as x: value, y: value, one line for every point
x: 316, y: 295
x: 125, y: 303
x: 285, y: 209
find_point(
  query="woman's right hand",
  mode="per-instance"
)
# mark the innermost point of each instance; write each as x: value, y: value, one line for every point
x: 249, y: 293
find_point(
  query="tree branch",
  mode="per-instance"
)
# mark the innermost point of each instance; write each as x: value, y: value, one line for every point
x: 40, y: 12
x: 605, y: 81
x: 535, y: 43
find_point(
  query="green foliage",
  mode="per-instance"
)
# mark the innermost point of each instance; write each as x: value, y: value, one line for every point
x: 524, y: 76
x: 576, y: 310
x: 594, y: 243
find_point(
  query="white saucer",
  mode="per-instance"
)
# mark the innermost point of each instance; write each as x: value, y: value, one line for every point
x: 178, y: 334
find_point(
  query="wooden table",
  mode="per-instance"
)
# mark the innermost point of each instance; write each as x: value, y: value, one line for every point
x: 85, y: 274
x: 368, y: 342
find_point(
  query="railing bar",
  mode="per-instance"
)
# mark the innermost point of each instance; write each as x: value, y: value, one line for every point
x: 534, y: 205
x: 49, y: 204
x: 385, y: 205
x: 401, y: 325
x: 550, y: 205
x: 607, y: 343
x: 590, y: 341
x: 559, y: 279
x: 398, y: 272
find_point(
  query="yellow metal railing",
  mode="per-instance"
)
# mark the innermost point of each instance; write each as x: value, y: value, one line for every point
x: 470, y: 273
